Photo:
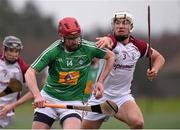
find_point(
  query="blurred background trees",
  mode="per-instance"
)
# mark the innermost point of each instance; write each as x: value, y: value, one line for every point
x: 38, y: 31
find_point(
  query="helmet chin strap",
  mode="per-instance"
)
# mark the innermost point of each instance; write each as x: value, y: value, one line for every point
x: 10, y: 62
x: 69, y: 49
x: 121, y: 38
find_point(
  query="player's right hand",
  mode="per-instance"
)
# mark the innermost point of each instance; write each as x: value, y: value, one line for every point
x: 39, y: 102
x: 151, y: 74
x: 103, y: 42
x: 98, y: 90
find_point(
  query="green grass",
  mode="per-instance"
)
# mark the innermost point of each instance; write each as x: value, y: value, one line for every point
x: 158, y: 114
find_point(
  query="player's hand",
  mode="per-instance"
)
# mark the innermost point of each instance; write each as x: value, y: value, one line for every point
x: 98, y: 90
x: 103, y: 42
x: 5, y: 109
x: 39, y: 102
x: 151, y: 74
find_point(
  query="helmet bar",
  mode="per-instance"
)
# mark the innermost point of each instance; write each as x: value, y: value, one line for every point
x: 123, y: 15
x: 115, y: 18
x: 13, y: 45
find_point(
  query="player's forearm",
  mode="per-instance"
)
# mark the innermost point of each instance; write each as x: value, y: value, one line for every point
x: 158, y: 62
x: 11, y: 106
x: 31, y: 81
x: 110, y: 58
x: 28, y: 96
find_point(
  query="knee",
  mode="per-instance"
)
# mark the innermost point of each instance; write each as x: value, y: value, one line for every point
x: 137, y: 124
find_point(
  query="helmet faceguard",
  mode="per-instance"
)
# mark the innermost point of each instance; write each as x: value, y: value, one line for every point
x: 12, y: 42
x: 122, y: 15
x: 69, y: 27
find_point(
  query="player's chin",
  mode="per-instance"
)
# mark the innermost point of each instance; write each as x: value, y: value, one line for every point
x: 11, y: 61
x: 74, y: 48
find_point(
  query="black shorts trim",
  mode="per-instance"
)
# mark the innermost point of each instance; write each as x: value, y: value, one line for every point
x: 70, y: 115
x: 43, y: 118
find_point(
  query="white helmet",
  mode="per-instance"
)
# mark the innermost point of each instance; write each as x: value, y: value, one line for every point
x: 12, y: 42
x: 122, y: 14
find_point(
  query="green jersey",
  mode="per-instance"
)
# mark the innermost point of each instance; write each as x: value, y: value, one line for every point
x: 68, y: 71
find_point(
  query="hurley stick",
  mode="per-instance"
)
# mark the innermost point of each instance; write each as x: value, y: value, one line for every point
x: 13, y: 86
x: 108, y: 107
x: 149, y: 37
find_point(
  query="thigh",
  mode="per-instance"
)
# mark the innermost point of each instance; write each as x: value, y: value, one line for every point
x: 129, y: 112
x: 42, y: 121
x: 39, y: 125
x: 93, y: 120
x: 73, y: 122
x: 69, y: 118
x: 50, y: 112
x: 92, y: 116
x: 90, y: 124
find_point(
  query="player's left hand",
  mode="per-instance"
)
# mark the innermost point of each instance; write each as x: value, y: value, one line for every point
x: 151, y: 74
x: 98, y: 90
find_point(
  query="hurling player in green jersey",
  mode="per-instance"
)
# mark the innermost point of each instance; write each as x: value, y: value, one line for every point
x: 69, y: 59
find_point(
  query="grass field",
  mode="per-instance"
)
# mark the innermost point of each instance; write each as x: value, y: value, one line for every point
x: 158, y: 114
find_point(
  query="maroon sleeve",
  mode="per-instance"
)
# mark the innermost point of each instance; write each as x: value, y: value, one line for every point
x: 23, y: 66
x: 141, y: 45
x: 113, y: 40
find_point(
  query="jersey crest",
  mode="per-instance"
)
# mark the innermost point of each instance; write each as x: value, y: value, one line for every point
x: 69, y: 78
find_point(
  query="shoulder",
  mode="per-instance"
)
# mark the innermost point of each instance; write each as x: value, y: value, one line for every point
x: 54, y: 45
x: 140, y: 44
x: 24, y: 66
x: 52, y: 49
x: 136, y: 41
x: 89, y: 44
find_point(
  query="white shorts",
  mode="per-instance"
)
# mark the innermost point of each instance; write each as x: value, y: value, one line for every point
x: 5, y: 121
x: 92, y: 101
x: 58, y: 113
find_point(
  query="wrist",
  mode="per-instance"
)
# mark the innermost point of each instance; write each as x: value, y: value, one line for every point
x: 100, y: 81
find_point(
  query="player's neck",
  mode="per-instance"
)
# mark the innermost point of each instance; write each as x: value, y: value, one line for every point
x: 126, y: 41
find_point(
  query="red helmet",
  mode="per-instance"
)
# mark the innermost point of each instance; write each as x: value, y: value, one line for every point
x: 68, y: 26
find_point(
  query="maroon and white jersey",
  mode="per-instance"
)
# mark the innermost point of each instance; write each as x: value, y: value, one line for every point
x: 8, y: 71
x: 118, y: 82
